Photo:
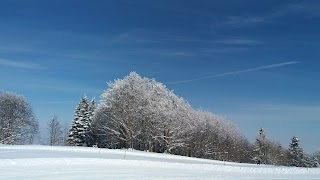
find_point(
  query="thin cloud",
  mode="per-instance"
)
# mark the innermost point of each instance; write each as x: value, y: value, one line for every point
x: 304, y: 8
x: 271, y: 66
x: 66, y: 88
x: 244, y: 20
x: 20, y: 65
x: 18, y: 49
x: 238, y: 41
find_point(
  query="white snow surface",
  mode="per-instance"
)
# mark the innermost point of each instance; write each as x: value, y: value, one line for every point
x: 47, y: 162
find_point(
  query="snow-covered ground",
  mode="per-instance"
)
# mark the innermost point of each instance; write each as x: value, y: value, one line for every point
x: 44, y: 162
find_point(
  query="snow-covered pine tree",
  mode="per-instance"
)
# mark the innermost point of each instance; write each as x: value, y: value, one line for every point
x: 92, y: 108
x: 316, y: 158
x: 309, y: 161
x: 88, y: 124
x: 296, y: 155
x: 79, y: 126
x: 260, y: 151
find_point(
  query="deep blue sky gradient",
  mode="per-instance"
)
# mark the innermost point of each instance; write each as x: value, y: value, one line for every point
x: 54, y: 52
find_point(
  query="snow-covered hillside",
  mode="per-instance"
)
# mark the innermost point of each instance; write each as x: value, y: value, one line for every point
x: 43, y: 162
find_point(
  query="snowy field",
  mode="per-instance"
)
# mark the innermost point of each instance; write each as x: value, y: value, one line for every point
x: 44, y: 162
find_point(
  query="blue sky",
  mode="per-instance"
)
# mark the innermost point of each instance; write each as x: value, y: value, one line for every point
x: 254, y: 62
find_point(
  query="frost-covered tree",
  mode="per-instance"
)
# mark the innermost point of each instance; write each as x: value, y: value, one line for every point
x: 296, y: 155
x: 143, y: 114
x: 277, y: 155
x: 316, y: 158
x: 17, y: 122
x: 55, y: 132
x: 123, y: 112
x: 260, y: 147
x: 310, y: 161
x: 214, y: 137
x: 88, y: 126
x: 92, y: 109
x: 79, y: 128
x: 33, y: 132
x: 176, y: 123
x: 316, y: 155
x: 298, y: 158
x: 268, y: 151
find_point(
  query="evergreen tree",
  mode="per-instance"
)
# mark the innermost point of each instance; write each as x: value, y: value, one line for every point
x: 296, y: 156
x: 80, y: 125
x: 316, y: 158
x: 88, y: 124
x: 92, y: 108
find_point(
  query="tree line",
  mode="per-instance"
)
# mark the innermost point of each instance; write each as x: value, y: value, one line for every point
x: 271, y: 152
x: 141, y: 113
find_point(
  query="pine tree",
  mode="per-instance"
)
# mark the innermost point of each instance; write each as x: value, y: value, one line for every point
x: 92, y: 108
x: 79, y: 126
x: 316, y: 158
x: 88, y: 124
x: 260, y: 149
x: 296, y: 155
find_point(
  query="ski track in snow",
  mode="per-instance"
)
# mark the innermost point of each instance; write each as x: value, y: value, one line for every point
x: 44, y: 162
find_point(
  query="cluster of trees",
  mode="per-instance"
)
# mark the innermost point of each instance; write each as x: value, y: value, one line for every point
x: 298, y: 158
x: 18, y: 124
x: 271, y: 152
x: 142, y: 114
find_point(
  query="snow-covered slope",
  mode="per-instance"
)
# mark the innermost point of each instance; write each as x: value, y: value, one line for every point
x: 44, y: 162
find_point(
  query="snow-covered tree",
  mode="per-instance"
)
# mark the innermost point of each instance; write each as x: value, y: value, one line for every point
x: 17, y: 122
x: 316, y: 158
x: 143, y: 114
x: 269, y: 151
x: 310, y: 161
x: 92, y: 109
x: 216, y: 138
x: 298, y: 158
x: 33, y: 132
x: 124, y: 113
x: 260, y: 147
x: 79, y: 128
x: 88, y: 127
x: 296, y: 155
x: 55, y: 132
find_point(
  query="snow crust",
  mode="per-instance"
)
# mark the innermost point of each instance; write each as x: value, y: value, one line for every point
x: 46, y: 162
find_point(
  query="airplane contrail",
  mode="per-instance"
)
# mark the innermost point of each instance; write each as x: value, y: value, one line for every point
x: 239, y: 72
